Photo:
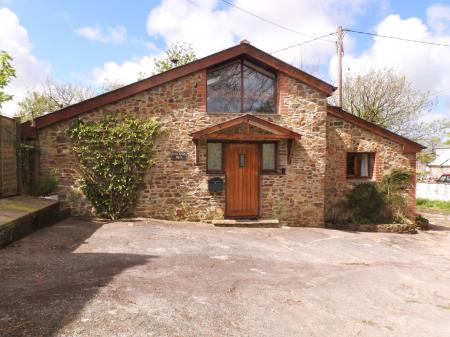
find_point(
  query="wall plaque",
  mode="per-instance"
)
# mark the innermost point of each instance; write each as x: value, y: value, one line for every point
x: 178, y: 155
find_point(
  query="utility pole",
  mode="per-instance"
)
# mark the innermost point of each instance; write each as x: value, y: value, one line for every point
x: 340, y: 53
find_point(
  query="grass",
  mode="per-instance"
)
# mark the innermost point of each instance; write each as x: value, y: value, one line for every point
x: 433, y: 204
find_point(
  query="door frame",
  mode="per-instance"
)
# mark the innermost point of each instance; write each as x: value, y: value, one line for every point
x: 225, y: 162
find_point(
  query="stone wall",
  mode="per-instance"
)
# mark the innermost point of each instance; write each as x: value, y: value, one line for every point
x: 178, y: 189
x: 346, y: 137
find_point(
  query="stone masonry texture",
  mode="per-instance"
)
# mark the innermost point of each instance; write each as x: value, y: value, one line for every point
x: 178, y: 190
x: 343, y: 137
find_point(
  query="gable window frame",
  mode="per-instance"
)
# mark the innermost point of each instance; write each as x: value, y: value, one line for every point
x: 264, y: 70
x: 222, y: 161
x: 356, y: 162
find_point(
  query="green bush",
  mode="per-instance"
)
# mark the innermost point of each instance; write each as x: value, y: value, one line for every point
x: 395, y: 187
x: 113, y: 154
x: 386, y: 201
x: 364, y: 203
x: 44, y: 186
x: 422, y: 222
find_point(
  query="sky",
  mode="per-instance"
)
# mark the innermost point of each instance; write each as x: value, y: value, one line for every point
x: 96, y: 43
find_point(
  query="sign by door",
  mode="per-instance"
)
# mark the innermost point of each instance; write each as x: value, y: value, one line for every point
x: 178, y: 155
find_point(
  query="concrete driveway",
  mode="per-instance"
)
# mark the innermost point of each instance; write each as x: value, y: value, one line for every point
x: 157, y: 278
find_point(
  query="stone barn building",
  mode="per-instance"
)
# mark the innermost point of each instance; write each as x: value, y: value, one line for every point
x: 248, y: 136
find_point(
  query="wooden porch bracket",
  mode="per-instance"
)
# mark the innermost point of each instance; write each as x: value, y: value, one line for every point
x: 197, y: 152
x: 290, y: 142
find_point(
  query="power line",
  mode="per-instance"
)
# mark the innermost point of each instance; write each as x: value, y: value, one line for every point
x: 398, y: 38
x: 271, y: 22
x: 302, y: 43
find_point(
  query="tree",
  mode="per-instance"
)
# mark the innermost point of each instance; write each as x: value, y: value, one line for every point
x: 7, y: 72
x: 179, y: 53
x: 426, y: 157
x: 110, y: 85
x: 50, y: 97
x: 386, y: 98
x: 395, y: 187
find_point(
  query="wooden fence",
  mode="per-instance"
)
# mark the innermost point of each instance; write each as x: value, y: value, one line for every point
x: 9, y: 166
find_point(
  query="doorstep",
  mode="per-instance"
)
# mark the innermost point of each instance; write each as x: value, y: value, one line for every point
x: 259, y: 223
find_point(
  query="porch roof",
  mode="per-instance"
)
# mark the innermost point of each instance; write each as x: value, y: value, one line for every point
x: 273, y: 131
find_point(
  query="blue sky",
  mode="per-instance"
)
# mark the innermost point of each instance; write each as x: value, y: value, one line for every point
x: 94, y: 42
x: 51, y: 26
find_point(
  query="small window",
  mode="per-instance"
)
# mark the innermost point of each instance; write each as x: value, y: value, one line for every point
x: 269, y: 160
x: 241, y: 87
x: 360, y: 165
x: 214, y: 157
x: 242, y: 160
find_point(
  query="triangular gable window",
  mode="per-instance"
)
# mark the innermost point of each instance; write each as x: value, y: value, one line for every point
x: 241, y: 86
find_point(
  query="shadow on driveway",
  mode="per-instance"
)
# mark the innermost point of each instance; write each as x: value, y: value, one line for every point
x: 437, y: 217
x: 44, y: 284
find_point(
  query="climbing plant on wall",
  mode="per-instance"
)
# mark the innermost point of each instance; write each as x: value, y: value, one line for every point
x: 113, y: 154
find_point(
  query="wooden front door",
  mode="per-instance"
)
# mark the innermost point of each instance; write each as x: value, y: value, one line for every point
x: 242, y: 180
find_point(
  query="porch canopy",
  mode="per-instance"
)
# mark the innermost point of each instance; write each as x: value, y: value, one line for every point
x: 246, y: 128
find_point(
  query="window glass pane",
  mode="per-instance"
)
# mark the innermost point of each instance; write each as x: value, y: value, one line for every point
x: 242, y: 160
x: 360, y: 165
x: 350, y: 165
x: 215, y: 156
x: 268, y: 154
x: 259, y: 90
x: 224, y: 89
x: 364, y: 165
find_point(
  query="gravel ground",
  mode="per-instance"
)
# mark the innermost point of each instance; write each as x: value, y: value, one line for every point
x: 157, y: 278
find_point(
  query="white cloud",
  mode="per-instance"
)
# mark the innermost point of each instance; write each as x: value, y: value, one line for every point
x: 107, y: 34
x: 30, y: 71
x: 210, y: 29
x: 426, y: 66
x: 438, y: 16
x: 124, y: 73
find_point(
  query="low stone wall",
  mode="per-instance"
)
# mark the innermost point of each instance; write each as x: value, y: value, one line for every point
x: 386, y: 228
x: 22, y: 215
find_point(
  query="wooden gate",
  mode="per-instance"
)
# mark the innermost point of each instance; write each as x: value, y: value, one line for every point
x: 9, y: 176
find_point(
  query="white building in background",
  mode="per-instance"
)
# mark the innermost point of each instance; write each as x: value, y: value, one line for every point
x: 441, y: 164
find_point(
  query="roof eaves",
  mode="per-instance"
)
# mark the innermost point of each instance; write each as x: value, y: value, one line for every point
x: 408, y: 144
x: 178, y: 72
